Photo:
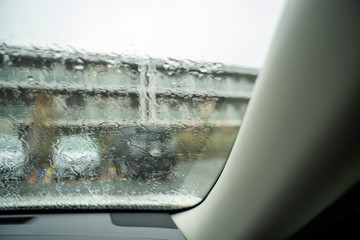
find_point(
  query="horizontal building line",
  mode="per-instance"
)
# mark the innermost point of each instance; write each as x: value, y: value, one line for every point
x: 132, y: 91
x: 43, y: 57
x: 113, y: 125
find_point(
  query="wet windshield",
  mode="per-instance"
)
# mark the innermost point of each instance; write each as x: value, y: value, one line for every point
x: 92, y: 130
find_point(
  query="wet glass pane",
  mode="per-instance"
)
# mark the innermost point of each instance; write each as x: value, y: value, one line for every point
x: 90, y: 131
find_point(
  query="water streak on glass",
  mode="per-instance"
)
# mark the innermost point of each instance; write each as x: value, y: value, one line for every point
x: 94, y: 131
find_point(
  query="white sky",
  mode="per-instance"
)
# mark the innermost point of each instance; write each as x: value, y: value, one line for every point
x: 235, y: 32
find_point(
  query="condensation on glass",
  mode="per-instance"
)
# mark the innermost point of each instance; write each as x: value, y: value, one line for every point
x: 90, y: 131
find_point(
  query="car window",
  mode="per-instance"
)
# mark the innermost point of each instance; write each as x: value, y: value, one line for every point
x: 85, y: 129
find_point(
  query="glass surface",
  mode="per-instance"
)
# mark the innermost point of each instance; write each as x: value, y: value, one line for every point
x: 131, y: 104
x: 114, y: 132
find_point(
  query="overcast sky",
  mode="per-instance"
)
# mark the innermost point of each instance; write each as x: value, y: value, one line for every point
x: 235, y: 32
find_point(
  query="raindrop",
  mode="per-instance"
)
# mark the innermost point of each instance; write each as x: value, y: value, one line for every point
x: 30, y: 78
x: 203, y: 69
x: 166, y: 66
x: 6, y: 58
x: 173, y: 81
x: 79, y: 67
x: 134, y: 75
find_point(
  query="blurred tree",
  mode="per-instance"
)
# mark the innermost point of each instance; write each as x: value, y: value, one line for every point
x: 42, y: 132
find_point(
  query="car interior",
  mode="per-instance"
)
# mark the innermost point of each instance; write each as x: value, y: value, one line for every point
x: 294, y: 169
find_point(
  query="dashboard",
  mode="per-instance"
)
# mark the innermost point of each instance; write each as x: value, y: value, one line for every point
x: 76, y: 226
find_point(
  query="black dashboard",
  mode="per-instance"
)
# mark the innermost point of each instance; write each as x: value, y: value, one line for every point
x: 76, y: 226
